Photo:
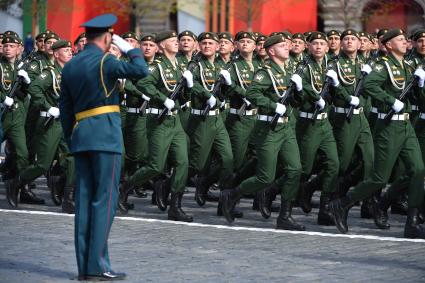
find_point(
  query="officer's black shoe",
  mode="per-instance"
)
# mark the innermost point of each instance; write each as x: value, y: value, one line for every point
x: 255, y: 202
x: 162, y: 191
x: 325, y: 216
x: 175, y: 212
x: 380, y: 212
x: 367, y: 208
x: 68, y: 205
x: 284, y: 220
x: 339, y: 209
x: 400, y: 206
x: 201, y: 191
x: 107, y: 276
x: 305, y: 196
x: 235, y: 211
x: 140, y: 192
x: 413, y: 229
x: 12, y: 191
x: 27, y: 196
x: 228, y: 199
x: 265, y: 203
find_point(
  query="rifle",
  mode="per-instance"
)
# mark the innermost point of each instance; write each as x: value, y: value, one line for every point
x: 401, y: 97
x: 217, y: 87
x: 325, y: 89
x: 359, y: 87
x: 22, y: 64
x: 180, y: 84
x: 300, y: 69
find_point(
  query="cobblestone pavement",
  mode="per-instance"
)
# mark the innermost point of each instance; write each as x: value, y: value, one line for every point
x: 36, y: 245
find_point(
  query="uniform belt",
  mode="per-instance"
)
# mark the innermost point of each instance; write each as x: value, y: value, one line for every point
x: 422, y: 116
x: 395, y: 117
x: 251, y: 112
x: 96, y: 111
x: 157, y: 111
x: 341, y: 110
x: 198, y: 112
x: 136, y: 110
x: 307, y: 115
x: 415, y: 107
x: 270, y: 118
x: 226, y: 106
x: 186, y: 105
x: 44, y: 114
x: 374, y: 110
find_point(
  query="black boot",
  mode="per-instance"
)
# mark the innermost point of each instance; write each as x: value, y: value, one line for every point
x: 68, y: 205
x: 162, y: 191
x: 339, y: 209
x: 285, y: 220
x: 175, y: 212
x: 367, y: 208
x: 28, y: 196
x: 265, y: 200
x: 380, y: 214
x: 56, y: 185
x: 305, y: 195
x: 255, y: 202
x: 201, y: 191
x: 122, y: 201
x: 400, y: 206
x: 228, y: 199
x: 235, y: 211
x: 140, y: 192
x: 413, y: 229
x: 325, y: 217
x: 12, y: 190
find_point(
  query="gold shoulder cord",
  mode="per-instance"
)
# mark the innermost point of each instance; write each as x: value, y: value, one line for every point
x: 313, y: 81
x: 242, y: 82
x: 205, y: 84
x: 55, y: 83
x: 397, y: 85
x: 107, y: 94
x: 343, y: 76
x: 3, y: 82
x: 274, y: 80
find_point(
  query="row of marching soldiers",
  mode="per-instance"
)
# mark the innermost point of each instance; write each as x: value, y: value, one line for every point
x: 341, y: 113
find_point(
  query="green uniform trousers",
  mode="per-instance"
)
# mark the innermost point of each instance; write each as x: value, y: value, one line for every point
x: 318, y: 138
x: 135, y: 141
x: 275, y: 149
x: 205, y: 136
x: 50, y: 143
x: 392, y: 141
x: 166, y: 138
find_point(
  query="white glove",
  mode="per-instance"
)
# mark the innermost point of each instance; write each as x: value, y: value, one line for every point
x: 226, y: 76
x: 321, y: 103
x: 298, y: 81
x: 280, y: 109
x: 147, y: 98
x: 189, y: 78
x: 212, y: 101
x: 8, y: 101
x: 397, y: 106
x: 246, y: 102
x: 123, y: 45
x: 355, y: 101
x: 169, y: 103
x: 366, y: 69
x: 54, y: 112
x: 420, y: 73
x: 24, y: 75
x: 334, y: 76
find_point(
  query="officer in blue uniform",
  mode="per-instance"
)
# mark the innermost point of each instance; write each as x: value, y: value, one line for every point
x: 89, y: 107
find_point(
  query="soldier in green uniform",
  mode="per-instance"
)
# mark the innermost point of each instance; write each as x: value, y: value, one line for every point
x: 1, y: 44
x: 80, y: 42
x: 45, y: 93
x: 14, y: 117
x: 393, y: 139
x: 316, y: 136
x: 131, y: 38
x: 260, y: 52
x: 166, y: 138
x: 334, y: 43
x: 278, y: 146
x: 91, y: 124
x: 208, y: 134
x: 298, y: 47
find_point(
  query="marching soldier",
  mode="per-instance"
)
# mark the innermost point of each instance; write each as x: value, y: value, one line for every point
x: 260, y: 52
x: 91, y: 124
x: 334, y: 43
x: 79, y: 43
x: 394, y: 138
x: 298, y: 47
x: 272, y: 145
x: 166, y: 138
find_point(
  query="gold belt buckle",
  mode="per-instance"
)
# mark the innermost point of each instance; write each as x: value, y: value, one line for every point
x: 216, y: 111
x: 406, y: 116
x: 254, y: 111
x: 322, y: 116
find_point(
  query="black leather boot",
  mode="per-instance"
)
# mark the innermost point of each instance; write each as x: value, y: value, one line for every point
x: 400, y: 206
x: 325, y: 217
x: 12, y: 190
x: 201, y: 191
x: 28, y: 196
x: 284, y: 220
x: 235, y: 211
x: 255, y: 202
x: 122, y: 200
x: 162, y: 191
x: 68, y: 205
x: 339, y: 209
x: 265, y: 200
x: 367, y: 208
x: 140, y: 192
x: 413, y: 229
x: 175, y: 212
x: 380, y: 213
x: 305, y: 195
x: 228, y: 199
x: 56, y: 185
